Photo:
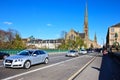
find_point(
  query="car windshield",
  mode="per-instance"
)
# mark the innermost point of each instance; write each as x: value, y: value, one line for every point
x: 82, y: 50
x: 72, y: 51
x: 25, y: 53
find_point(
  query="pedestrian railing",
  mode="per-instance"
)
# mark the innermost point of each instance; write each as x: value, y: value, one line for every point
x: 11, y: 51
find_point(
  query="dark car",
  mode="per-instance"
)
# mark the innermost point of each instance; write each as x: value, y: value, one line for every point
x: 3, y: 55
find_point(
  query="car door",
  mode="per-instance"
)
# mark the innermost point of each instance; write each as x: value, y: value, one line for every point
x: 43, y: 55
x: 37, y: 57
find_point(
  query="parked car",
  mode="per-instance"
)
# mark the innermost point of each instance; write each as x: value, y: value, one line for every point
x: 3, y: 55
x: 89, y: 50
x: 83, y: 51
x: 26, y: 58
x: 72, y: 53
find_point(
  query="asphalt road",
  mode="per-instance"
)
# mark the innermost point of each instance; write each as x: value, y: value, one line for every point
x: 58, y: 68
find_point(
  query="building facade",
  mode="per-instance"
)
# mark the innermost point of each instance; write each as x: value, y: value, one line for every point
x: 113, y: 34
x: 39, y: 43
x: 72, y: 34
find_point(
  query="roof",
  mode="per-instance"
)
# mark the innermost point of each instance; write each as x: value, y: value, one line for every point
x: 116, y: 25
x: 82, y: 35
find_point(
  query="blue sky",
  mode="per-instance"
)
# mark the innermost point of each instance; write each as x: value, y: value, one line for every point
x: 46, y: 19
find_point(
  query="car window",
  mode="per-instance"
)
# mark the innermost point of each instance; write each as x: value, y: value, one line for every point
x: 25, y: 53
x: 30, y: 52
x: 42, y: 52
x: 72, y: 51
x: 36, y: 53
x: 82, y: 50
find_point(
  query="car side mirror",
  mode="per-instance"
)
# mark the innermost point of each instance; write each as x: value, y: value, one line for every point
x: 34, y: 55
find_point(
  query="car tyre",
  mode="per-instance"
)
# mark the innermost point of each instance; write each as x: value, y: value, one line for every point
x: 46, y: 60
x: 27, y: 65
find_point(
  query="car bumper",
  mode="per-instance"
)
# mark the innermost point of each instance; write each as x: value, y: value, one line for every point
x: 72, y: 55
x: 14, y: 65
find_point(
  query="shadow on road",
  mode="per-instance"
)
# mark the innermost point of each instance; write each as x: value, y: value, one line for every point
x: 96, y: 68
x: 109, y: 70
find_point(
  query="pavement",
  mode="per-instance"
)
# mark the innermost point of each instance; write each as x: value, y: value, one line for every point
x: 92, y: 71
x: 102, y: 68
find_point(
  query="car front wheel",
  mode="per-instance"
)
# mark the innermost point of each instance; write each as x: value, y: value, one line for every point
x: 27, y: 65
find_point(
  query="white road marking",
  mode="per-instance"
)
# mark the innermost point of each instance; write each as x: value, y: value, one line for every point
x: 21, y: 79
x: 11, y: 77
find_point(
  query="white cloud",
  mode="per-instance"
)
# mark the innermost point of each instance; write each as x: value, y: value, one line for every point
x: 49, y: 24
x: 8, y: 23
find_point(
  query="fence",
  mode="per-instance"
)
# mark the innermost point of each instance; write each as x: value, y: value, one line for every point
x: 11, y: 51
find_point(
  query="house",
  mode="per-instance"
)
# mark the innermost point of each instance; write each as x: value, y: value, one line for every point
x: 113, y: 34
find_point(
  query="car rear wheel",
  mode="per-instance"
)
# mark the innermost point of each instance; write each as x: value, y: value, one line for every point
x: 46, y: 60
x: 27, y: 65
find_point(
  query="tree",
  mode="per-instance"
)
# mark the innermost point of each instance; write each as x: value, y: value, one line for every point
x: 116, y: 36
x: 72, y: 44
x: 10, y: 40
x: 91, y: 46
x: 79, y: 42
x: 17, y: 43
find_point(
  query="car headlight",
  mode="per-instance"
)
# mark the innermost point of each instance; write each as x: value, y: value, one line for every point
x: 18, y: 60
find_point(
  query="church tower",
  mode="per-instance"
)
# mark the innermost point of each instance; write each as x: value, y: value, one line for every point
x: 86, y: 22
x: 95, y: 38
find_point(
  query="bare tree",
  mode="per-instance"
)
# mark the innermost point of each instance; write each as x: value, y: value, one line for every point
x: 2, y: 35
x: 11, y: 34
x: 10, y: 39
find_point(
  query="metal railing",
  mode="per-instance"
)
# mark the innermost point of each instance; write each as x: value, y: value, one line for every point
x: 11, y: 51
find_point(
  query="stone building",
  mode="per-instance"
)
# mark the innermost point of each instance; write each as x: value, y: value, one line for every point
x: 39, y: 43
x: 112, y: 31
x: 85, y: 35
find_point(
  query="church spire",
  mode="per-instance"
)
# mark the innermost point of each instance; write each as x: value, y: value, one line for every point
x: 95, y: 38
x: 86, y: 21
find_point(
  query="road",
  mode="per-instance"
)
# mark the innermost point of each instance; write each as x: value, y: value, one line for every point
x: 58, y: 68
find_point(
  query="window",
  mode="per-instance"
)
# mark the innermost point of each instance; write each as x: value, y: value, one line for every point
x: 112, y: 29
x: 112, y: 36
x: 72, y: 37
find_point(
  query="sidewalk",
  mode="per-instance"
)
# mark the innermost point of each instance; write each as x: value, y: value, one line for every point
x: 102, y: 68
x: 92, y: 71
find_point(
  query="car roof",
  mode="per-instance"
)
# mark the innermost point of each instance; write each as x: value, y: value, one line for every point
x: 72, y: 51
x: 33, y: 50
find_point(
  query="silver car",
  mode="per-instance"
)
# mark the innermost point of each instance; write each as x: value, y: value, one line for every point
x: 83, y: 51
x: 72, y: 53
x: 26, y: 58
